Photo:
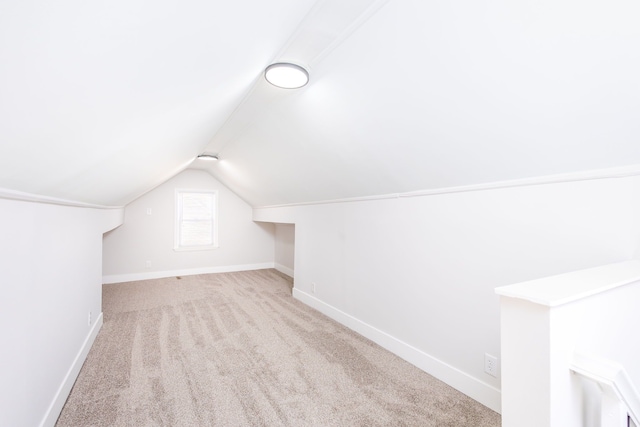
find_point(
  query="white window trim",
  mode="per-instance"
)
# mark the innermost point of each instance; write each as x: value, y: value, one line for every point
x: 177, y: 218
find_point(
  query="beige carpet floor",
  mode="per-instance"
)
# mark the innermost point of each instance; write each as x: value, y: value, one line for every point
x: 237, y: 350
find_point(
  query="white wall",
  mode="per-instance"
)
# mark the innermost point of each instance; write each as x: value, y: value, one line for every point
x: 417, y: 274
x: 51, y: 270
x: 285, y: 247
x: 243, y: 243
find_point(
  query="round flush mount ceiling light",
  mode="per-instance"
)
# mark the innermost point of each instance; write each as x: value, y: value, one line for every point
x: 208, y: 157
x: 286, y: 75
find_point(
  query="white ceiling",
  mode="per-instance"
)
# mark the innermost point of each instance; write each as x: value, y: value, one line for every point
x: 101, y: 102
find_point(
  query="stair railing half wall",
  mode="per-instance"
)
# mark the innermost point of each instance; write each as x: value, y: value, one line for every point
x: 620, y: 400
x: 548, y: 325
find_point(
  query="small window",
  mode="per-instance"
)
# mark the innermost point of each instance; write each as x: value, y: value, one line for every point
x: 196, y: 220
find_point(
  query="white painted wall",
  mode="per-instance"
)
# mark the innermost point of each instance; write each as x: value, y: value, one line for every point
x: 285, y: 247
x: 51, y: 270
x: 243, y: 243
x: 417, y: 274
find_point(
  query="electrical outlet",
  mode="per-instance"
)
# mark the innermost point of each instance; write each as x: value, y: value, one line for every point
x: 491, y: 365
x: 147, y: 264
x: 313, y: 287
x: 89, y: 318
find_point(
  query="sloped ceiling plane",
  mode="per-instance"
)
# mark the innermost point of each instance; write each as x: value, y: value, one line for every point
x: 102, y: 101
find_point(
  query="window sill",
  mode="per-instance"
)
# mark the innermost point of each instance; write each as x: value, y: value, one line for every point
x: 195, y: 248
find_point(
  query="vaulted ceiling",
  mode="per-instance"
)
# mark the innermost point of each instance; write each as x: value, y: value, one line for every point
x: 102, y: 101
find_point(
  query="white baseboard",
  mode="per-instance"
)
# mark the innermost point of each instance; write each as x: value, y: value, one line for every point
x: 284, y: 270
x: 53, y: 412
x: 120, y: 278
x: 484, y: 393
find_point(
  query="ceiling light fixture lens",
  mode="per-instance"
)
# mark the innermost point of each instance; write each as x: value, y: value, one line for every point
x: 208, y: 157
x: 286, y: 75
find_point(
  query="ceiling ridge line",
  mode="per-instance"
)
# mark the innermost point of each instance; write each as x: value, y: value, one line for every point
x: 352, y: 28
x: 255, y: 82
x: 282, y: 55
x: 317, y: 6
